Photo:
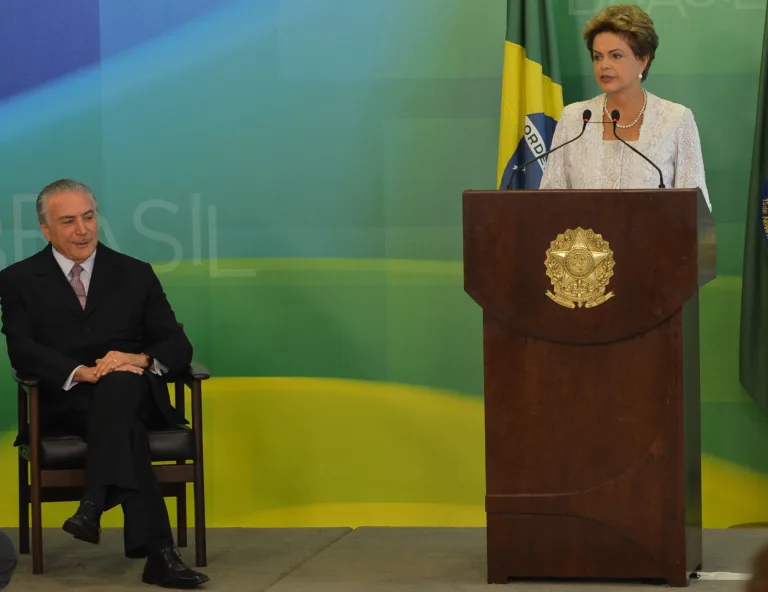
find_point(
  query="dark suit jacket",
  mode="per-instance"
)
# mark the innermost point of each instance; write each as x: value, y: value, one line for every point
x: 49, y: 334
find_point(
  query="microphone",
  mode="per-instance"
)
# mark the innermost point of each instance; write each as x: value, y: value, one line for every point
x: 615, y: 116
x: 586, y: 116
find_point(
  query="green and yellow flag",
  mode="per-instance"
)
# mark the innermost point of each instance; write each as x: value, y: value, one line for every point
x: 753, y: 353
x: 532, y: 94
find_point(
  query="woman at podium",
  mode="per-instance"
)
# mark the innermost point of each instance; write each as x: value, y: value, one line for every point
x: 622, y: 42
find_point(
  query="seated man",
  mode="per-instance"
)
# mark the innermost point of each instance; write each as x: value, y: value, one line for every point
x: 96, y: 327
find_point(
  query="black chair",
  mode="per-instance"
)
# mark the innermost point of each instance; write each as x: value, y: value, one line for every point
x: 51, y: 467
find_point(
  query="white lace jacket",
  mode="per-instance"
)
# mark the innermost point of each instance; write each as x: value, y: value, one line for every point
x: 668, y: 136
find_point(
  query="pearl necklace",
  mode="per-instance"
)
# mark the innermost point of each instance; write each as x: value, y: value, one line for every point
x: 639, y: 115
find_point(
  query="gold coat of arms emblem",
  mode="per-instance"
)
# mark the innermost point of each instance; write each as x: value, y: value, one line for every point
x: 579, y: 264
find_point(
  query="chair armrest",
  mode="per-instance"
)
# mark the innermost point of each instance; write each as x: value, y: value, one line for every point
x: 25, y: 379
x: 197, y: 371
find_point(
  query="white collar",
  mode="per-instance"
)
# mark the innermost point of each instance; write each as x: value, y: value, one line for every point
x: 67, y: 264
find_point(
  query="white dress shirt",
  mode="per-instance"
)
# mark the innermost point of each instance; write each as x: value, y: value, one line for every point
x: 85, y: 277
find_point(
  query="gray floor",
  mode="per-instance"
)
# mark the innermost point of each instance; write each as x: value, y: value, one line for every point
x: 339, y: 560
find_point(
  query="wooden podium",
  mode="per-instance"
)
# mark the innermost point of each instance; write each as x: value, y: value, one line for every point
x: 592, y: 410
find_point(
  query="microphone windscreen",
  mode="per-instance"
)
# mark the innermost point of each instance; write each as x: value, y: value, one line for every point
x: 587, y: 115
x: 615, y: 115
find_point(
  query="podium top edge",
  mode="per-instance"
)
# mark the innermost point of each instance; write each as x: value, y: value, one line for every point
x: 645, y: 191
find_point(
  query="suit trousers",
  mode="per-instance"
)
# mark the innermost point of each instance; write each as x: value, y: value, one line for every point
x: 113, y: 416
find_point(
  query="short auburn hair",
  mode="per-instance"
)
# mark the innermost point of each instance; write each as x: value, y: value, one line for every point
x: 632, y: 24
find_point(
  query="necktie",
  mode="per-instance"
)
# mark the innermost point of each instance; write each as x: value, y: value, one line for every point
x: 77, y: 283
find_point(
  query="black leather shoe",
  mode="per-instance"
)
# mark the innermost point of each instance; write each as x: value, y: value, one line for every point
x: 165, y: 568
x: 85, y: 525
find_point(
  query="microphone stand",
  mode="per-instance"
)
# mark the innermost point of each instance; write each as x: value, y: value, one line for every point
x: 586, y: 116
x: 615, y: 115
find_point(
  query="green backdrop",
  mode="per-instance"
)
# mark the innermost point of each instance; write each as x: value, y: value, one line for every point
x: 294, y: 169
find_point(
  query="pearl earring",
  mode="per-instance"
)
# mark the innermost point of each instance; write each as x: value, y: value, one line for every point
x: 640, y: 75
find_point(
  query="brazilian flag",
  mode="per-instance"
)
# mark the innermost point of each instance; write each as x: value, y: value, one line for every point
x: 753, y: 354
x: 531, y: 94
